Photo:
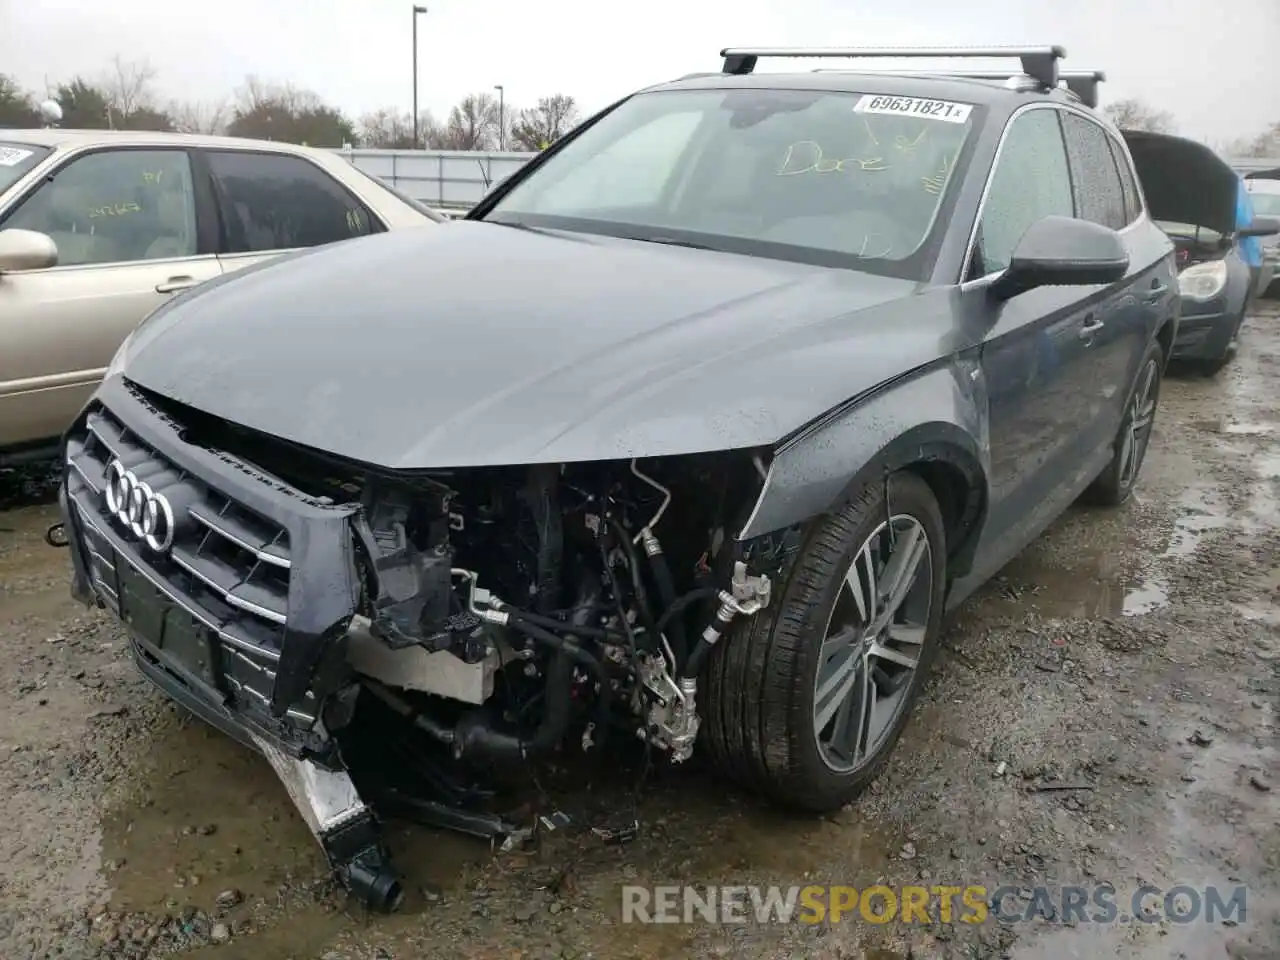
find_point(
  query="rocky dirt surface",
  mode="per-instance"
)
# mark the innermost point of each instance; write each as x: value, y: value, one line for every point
x: 1104, y: 713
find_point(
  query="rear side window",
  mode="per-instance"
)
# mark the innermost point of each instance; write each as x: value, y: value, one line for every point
x: 1128, y: 182
x: 277, y: 202
x: 1094, y: 176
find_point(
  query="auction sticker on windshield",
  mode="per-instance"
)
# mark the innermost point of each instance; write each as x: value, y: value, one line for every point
x: 12, y: 156
x: 914, y: 107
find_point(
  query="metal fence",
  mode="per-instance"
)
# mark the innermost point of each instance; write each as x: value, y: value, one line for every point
x: 454, y: 180
x: 446, y: 179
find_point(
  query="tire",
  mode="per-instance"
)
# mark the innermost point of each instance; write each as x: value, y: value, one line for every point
x: 1114, y: 485
x: 761, y: 679
x: 1215, y: 365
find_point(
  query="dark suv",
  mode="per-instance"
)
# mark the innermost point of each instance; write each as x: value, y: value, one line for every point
x: 690, y: 432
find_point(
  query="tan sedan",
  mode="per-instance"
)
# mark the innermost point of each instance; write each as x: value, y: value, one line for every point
x: 98, y: 228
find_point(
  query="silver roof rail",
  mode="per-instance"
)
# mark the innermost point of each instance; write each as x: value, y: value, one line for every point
x: 1041, y: 63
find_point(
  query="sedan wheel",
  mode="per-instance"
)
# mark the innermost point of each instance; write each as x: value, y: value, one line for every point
x: 805, y: 701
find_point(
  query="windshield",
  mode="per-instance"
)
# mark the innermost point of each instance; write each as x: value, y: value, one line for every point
x: 1189, y: 231
x: 16, y: 159
x: 403, y: 197
x: 834, y: 178
x: 1265, y: 204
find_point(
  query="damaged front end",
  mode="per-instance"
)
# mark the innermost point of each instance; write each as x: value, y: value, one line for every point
x: 496, y: 614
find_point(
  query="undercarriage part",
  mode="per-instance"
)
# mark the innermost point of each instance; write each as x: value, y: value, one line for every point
x: 746, y: 596
x: 344, y: 826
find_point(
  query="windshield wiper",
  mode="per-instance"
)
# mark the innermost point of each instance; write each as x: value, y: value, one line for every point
x: 673, y: 242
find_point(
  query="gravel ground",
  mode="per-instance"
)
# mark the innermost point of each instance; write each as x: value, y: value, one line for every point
x: 1129, y: 655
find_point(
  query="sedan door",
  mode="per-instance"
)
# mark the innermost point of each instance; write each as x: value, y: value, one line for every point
x: 274, y: 203
x: 1038, y: 358
x: 125, y: 224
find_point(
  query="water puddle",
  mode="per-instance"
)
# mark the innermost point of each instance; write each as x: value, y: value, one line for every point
x: 1203, y: 511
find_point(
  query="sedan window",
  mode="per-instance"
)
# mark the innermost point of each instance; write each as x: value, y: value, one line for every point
x: 115, y: 206
x: 272, y: 201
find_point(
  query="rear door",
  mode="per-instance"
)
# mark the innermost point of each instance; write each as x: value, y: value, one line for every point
x: 273, y: 203
x: 128, y: 237
x: 1105, y: 193
x: 1037, y: 358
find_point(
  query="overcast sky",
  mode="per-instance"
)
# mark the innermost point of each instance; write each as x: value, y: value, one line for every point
x: 1214, y: 65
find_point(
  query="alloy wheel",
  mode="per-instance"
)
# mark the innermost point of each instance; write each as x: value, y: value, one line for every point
x: 873, y: 644
x: 1138, y: 423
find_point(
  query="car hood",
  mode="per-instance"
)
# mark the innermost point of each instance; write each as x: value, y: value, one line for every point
x: 1184, y: 181
x: 483, y: 344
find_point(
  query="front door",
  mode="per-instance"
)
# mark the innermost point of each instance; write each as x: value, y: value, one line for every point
x: 124, y: 221
x: 1039, y: 358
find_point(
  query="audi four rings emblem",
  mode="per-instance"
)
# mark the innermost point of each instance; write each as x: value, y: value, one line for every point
x: 147, y: 514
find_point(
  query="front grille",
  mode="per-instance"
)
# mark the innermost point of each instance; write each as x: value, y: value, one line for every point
x: 227, y: 567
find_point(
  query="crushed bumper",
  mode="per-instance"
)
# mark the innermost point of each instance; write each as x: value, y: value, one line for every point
x: 258, y: 659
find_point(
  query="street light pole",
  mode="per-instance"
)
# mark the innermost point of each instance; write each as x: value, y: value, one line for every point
x: 502, y: 117
x: 416, y: 10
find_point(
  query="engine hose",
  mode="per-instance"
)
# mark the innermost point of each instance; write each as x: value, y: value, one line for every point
x: 714, y: 631
x: 667, y: 593
x: 682, y: 604
x: 551, y: 623
x: 475, y: 734
x: 637, y: 583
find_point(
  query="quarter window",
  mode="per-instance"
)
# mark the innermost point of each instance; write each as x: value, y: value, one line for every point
x: 115, y: 206
x: 1031, y: 182
x: 277, y: 202
x: 1098, y: 190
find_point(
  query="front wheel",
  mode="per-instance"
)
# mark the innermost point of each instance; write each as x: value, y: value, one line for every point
x: 806, y: 700
x: 1116, y: 482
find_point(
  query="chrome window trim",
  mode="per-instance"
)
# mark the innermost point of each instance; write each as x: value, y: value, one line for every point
x: 995, y: 163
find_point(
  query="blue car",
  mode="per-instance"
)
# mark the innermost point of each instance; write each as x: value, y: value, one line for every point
x: 1196, y: 198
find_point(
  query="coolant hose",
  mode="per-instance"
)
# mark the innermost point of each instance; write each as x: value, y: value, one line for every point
x: 667, y: 592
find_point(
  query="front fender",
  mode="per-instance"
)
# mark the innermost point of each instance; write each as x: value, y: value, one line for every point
x: 936, y: 414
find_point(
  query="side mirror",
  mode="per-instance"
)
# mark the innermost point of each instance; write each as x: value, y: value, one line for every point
x: 26, y: 250
x: 1260, y: 227
x: 1062, y: 251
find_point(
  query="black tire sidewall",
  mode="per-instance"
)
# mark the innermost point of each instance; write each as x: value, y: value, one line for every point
x: 910, y: 495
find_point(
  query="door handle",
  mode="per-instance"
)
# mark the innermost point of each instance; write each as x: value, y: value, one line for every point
x: 176, y: 284
x: 1090, y: 327
x: 1158, y: 290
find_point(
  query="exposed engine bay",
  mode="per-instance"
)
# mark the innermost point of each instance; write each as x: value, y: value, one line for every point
x: 597, y: 590
x: 506, y: 613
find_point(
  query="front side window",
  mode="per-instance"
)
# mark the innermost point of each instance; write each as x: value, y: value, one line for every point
x: 115, y: 206
x: 1099, y: 193
x: 273, y: 201
x: 1031, y: 181
x: 836, y: 178
x: 16, y: 160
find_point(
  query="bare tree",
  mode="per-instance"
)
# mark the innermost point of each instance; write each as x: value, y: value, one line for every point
x: 267, y: 111
x: 1265, y: 144
x: 1132, y: 114
x: 128, y: 87
x: 536, y: 128
x: 199, y: 116
x: 473, y: 123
